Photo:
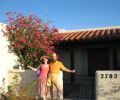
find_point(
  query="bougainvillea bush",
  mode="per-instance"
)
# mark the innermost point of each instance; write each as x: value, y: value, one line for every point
x: 30, y: 38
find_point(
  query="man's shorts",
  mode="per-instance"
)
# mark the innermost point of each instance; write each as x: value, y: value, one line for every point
x: 52, y: 79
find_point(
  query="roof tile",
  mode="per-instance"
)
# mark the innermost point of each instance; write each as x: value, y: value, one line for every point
x: 102, y: 33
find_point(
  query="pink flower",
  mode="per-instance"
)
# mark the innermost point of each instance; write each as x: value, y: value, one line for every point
x: 52, y: 47
x: 23, y: 17
x: 48, y: 50
x: 55, y: 30
x: 23, y: 25
x: 51, y: 42
x: 30, y: 18
x: 46, y: 27
x: 22, y: 40
x: 30, y: 26
x: 17, y: 45
x: 17, y: 34
x: 14, y: 27
x: 38, y: 34
x: 11, y: 19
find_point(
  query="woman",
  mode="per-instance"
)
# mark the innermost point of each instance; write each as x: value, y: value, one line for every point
x: 42, y: 79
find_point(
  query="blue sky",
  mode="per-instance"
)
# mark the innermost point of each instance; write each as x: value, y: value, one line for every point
x: 67, y: 14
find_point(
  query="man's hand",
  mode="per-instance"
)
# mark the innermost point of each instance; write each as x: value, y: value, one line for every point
x: 73, y: 71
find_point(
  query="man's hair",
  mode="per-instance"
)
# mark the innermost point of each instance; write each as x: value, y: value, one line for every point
x: 58, y: 57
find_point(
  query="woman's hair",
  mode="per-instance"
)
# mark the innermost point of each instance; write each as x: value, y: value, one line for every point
x: 42, y: 59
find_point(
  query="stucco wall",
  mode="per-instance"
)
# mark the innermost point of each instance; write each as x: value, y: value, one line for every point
x: 26, y: 77
x: 7, y: 60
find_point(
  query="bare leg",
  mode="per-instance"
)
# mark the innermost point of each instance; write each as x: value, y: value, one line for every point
x: 51, y: 91
x: 47, y: 90
x: 59, y: 90
x: 48, y: 95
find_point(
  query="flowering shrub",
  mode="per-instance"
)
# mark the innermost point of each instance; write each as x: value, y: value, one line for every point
x: 30, y: 38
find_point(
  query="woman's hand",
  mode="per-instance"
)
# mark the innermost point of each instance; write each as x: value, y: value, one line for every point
x: 28, y: 66
x: 34, y: 69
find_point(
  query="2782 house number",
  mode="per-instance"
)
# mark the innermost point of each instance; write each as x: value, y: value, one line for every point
x: 108, y: 75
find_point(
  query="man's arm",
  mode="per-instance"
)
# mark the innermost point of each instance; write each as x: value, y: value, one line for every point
x: 66, y: 69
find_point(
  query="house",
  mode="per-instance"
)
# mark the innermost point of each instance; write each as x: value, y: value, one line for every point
x: 88, y: 50
x: 7, y: 60
x: 85, y: 50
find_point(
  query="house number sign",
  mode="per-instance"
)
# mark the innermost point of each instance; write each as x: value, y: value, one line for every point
x: 105, y: 75
x: 107, y: 85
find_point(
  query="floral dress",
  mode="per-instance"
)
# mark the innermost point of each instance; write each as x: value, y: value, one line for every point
x: 42, y: 82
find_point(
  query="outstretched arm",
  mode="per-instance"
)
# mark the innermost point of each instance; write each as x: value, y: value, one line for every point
x: 34, y: 69
x: 66, y: 69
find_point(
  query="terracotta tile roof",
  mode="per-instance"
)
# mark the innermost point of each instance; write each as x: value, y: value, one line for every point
x: 91, y: 34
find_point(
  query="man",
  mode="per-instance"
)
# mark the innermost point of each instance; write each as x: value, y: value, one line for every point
x: 53, y: 77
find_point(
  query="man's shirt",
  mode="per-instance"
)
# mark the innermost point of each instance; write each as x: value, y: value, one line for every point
x: 56, y: 66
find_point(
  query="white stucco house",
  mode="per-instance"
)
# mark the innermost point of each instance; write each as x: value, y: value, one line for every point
x: 7, y: 60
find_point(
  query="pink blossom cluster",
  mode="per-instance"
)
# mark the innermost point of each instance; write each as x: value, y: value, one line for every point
x: 29, y: 37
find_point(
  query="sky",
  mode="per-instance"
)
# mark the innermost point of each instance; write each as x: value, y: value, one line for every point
x: 67, y: 14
